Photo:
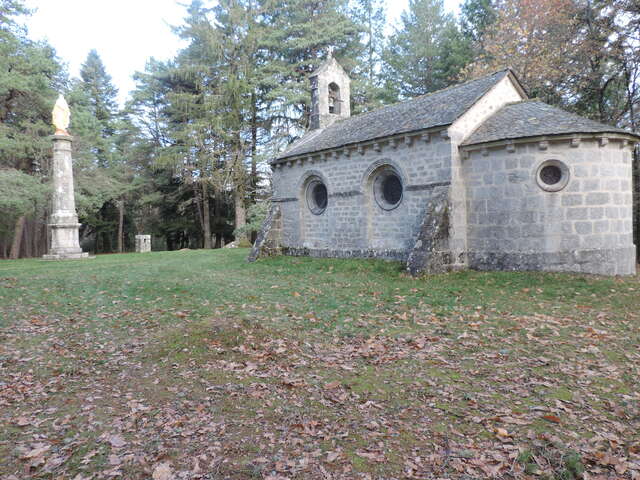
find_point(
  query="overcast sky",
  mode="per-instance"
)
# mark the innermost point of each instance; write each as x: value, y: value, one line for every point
x: 124, y: 32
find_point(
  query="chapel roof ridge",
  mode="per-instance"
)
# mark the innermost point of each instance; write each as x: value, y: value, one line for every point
x: 424, y: 95
x: 435, y: 92
x: 431, y: 110
x: 532, y: 117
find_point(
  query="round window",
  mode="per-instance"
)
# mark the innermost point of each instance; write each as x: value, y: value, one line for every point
x: 387, y: 189
x: 552, y: 175
x: 317, y: 197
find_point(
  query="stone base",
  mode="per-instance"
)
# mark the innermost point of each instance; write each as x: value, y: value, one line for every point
x: 66, y: 256
x: 616, y: 261
x: 383, y: 254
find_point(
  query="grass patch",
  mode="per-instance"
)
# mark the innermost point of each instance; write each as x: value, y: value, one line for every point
x: 303, y: 368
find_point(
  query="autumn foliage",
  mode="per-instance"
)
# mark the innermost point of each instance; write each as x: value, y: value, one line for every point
x: 534, y: 37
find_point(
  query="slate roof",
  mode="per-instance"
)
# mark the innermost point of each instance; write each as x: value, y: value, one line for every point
x: 533, y: 118
x: 436, y: 109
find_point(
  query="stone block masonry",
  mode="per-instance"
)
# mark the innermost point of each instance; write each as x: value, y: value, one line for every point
x: 353, y: 222
x: 518, y: 225
x: 143, y: 243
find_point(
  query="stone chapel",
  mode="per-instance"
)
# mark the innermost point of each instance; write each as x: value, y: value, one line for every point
x: 473, y: 176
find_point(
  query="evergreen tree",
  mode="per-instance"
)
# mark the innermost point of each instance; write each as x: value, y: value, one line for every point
x: 476, y: 16
x: 297, y: 36
x: 428, y: 52
x: 368, y: 87
x: 30, y: 74
x: 105, y: 179
x: 101, y: 96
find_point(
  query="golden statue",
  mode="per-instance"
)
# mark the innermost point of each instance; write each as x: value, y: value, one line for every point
x: 60, y: 116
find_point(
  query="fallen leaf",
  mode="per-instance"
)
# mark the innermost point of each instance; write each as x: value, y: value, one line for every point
x: 22, y: 421
x: 551, y: 418
x: 332, y: 456
x: 162, y: 472
x: 117, y: 441
x: 36, y: 452
x: 332, y: 385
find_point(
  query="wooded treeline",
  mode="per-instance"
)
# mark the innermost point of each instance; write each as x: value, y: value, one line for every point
x: 184, y: 158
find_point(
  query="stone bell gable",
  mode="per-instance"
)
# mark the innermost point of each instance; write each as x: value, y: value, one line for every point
x: 330, y: 95
x: 474, y: 175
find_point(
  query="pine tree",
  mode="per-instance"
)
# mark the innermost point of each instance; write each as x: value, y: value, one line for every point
x: 476, y: 16
x: 428, y: 52
x: 297, y: 36
x: 101, y: 96
x: 104, y: 176
x: 30, y: 74
x: 368, y: 88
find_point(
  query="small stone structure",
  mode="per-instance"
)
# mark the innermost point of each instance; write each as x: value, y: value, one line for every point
x: 472, y: 176
x: 65, y: 243
x: 143, y: 243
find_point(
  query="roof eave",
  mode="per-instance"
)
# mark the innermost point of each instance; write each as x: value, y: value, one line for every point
x: 635, y: 138
x: 283, y: 159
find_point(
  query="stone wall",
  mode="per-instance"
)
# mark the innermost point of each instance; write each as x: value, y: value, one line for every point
x: 353, y: 223
x: 505, y: 91
x: 514, y: 224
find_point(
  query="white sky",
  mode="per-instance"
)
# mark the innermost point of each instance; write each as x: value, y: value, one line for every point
x: 124, y: 32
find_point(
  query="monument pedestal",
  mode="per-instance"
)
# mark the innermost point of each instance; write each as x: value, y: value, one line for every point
x: 65, y: 243
x: 143, y: 243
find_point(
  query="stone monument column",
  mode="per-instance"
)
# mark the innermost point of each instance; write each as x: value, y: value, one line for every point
x: 65, y: 242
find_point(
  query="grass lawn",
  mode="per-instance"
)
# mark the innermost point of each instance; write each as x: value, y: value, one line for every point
x: 195, y: 364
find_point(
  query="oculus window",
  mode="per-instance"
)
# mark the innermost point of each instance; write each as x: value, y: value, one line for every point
x: 317, y: 196
x: 552, y: 175
x: 387, y: 188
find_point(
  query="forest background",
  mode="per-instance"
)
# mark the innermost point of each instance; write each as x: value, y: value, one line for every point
x: 185, y: 158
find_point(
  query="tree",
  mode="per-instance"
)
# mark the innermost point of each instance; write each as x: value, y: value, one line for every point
x: 30, y: 74
x: 368, y: 89
x: 476, y: 16
x: 536, y: 38
x: 21, y: 196
x: 101, y: 97
x: 427, y: 52
x: 604, y: 81
x: 296, y: 36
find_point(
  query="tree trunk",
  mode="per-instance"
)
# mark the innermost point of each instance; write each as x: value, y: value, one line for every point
x: 121, y: 226
x: 206, y: 217
x: 36, y: 238
x: 27, y: 240
x: 238, y: 199
x: 17, y: 238
x: 254, y: 147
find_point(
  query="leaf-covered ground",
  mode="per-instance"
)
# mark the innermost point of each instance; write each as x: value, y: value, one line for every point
x: 197, y: 365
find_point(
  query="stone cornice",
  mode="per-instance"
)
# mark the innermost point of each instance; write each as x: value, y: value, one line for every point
x: 545, y: 141
x: 377, y: 144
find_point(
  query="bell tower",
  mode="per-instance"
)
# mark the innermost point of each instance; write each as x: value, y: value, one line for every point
x: 330, y: 94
